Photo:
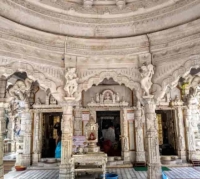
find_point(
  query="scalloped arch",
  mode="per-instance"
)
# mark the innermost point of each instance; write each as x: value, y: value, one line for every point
x: 172, y: 80
x: 32, y: 73
x: 118, y: 77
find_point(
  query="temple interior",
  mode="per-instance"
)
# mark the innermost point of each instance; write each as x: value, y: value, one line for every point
x: 94, y: 89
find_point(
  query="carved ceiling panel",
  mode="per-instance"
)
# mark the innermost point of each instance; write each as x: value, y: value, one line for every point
x: 125, y: 18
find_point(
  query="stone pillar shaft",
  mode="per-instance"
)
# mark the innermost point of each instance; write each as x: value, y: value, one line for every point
x: 3, y: 83
x: 191, y: 150
x: 124, y: 136
x: 2, y: 114
x: 180, y: 133
x: 153, y: 156
x: 26, y: 120
x: 140, y: 152
x: 36, y: 138
x: 66, y: 142
x: 77, y: 121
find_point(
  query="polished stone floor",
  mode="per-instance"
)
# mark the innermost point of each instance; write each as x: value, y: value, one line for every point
x: 125, y: 173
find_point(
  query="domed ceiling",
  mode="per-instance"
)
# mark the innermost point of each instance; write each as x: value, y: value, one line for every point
x: 100, y: 18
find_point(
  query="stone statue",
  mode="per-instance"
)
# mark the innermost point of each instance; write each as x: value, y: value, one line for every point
x: 21, y: 89
x: 125, y: 143
x: 71, y: 85
x: 114, y: 98
x: 38, y: 101
x: 97, y: 98
x: 117, y: 97
x: 101, y: 98
x: 146, y: 72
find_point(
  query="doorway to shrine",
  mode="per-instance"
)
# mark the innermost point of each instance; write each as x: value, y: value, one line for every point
x: 51, y: 128
x: 166, y: 132
x: 109, y: 132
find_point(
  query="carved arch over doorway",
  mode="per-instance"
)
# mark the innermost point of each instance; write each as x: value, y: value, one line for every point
x: 32, y: 73
x: 172, y: 80
x: 96, y: 79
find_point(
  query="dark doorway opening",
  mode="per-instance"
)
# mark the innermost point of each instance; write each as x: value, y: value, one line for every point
x: 166, y: 132
x: 50, y: 129
x: 109, y: 132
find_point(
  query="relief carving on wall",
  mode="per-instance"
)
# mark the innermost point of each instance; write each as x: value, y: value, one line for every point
x: 107, y: 98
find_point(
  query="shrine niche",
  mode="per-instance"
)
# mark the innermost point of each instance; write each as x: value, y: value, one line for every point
x: 107, y: 98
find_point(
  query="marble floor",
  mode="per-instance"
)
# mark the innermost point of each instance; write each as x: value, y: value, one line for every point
x: 125, y: 173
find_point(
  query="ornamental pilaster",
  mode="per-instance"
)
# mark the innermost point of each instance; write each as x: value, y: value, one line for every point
x: 67, y: 136
x: 36, y: 138
x: 124, y: 136
x: 140, y: 152
x: 26, y: 120
x: 180, y: 133
x: 190, y: 138
x: 153, y: 156
x: 77, y: 121
x: 3, y: 106
x: 2, y: 115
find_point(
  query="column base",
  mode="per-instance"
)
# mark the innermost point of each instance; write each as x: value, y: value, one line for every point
x: 154, y: 171
x: 191, y: 155
x: 35, y: 158
x: 126, y: 156
x: 26, y: 160
x: 182, y: 155
x: 140, y: 156
x: 1, y: 172
x: 66, y: 172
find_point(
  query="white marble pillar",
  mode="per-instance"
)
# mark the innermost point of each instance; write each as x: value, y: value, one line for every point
x: 2, y: 115
x: 180, y: 133
x: 13, y: 144
x: 77, y: 121
x: 3, y: 105
x: 140, y: 152
x: 190, y: 139
x: 153, y: 156
x: 36, y: 138
x: 124, y: 136
x: 26, y: 120
x: 66, y: 142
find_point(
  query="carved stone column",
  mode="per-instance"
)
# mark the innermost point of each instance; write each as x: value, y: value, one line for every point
x: 140, y: 152
x: 153, y: 156
x: 180, y: 133
x: 3, y: 105
x: 2, y: 115
x: 124, y: 136
x: 26, y: 121
x: 66, y: 142
x: 36, y: 138
x: 190, y: 139
x: 77, y: 121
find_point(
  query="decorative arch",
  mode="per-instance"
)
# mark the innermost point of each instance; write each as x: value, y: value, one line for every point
x: 33, y: 74
x: 172, y: 80
x: 117, y: 77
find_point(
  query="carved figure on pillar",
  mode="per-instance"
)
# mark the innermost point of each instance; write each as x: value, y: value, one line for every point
x: 71, y: 85
x: 146, y: 72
